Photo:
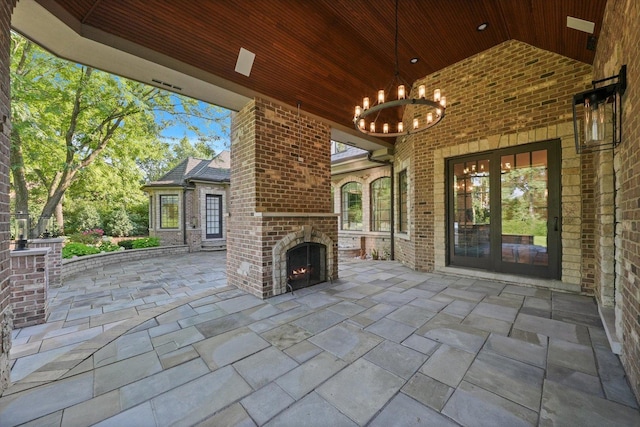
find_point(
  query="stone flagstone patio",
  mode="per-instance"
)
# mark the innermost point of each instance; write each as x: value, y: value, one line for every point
x: 166, y: 342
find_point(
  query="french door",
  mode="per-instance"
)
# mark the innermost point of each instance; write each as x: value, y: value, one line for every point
x: 213, y: 216
x: 504, y: 210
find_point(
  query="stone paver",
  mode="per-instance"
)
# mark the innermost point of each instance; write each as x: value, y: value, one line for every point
x: 166, y: 342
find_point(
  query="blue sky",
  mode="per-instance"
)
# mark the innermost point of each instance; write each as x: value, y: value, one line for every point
x: 178, y: 131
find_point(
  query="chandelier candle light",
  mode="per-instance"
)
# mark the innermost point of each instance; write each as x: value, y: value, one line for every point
x: 366, y: 116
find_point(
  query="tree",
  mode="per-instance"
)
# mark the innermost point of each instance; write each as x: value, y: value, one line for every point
x: 77, y: 126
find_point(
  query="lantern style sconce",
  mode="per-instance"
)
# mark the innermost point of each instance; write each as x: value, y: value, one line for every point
x: 597, y: 114
x: 22, y: 230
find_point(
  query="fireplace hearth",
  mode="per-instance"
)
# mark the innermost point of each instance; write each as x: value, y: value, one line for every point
x: 306, y: 265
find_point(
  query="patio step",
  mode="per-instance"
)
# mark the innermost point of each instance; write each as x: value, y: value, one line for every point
x: 213, y: 246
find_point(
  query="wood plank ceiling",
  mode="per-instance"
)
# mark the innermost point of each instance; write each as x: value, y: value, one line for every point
x: 328, y: 54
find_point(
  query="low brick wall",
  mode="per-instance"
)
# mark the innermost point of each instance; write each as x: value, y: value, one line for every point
x: 77, y: 265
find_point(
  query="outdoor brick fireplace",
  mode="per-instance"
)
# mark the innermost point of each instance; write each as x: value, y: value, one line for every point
x: 306, y: 265
x: 281, y: 217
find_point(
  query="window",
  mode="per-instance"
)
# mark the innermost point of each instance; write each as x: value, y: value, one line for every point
x: 352, y: 206
x: 403, y: 205
x: 169, y: 212
x: 151, y: 212
x: 381, y: 204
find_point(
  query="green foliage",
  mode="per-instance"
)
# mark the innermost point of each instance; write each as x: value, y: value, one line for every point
x: 108, y: 247
x: 78, y: 249
x: 89, y: 218
x: 146, y: 242
x: 84, y: 137
x: 139, y: 216
x: 127, y: 244
x: 119, y: 223
x: 87, y: 237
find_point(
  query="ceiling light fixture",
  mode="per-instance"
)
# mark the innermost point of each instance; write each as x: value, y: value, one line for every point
x: 390, y: 115
x: 414, y: 60
x: 482, y: 26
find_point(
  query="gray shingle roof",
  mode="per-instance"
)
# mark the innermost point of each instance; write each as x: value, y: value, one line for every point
x: 349, y: 153
x: 194, y: 169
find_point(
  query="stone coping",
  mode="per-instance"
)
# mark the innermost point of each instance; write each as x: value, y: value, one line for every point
x: 77, y: 265
x: 295, y: 214
x: 30, y: 252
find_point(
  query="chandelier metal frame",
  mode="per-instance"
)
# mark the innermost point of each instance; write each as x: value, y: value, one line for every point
x: 431, y: 119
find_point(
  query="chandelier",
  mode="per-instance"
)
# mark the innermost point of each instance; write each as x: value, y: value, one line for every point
x: 386, y: 118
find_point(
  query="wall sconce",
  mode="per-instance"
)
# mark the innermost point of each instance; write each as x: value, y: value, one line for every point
x: 22, y: 230
x: 599, y: 112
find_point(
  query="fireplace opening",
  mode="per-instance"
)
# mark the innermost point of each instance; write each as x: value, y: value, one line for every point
x: 306, y: 265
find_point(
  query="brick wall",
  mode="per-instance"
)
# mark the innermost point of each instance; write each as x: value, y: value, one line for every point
x: 54, y: 258
x: 509, y: 95
x: 280, y: 182
x: 618, y: 45
x: 6, y: 8
x: 29, y: 285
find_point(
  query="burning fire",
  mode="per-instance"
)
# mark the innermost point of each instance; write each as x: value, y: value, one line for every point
x: 299, y: 271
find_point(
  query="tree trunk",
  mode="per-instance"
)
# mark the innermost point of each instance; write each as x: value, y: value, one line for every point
x: 59, y: 216
x: 54, y: 199
x: 17, y: 171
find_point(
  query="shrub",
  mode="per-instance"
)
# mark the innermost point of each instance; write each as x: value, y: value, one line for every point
x: 90, y: 237
x: 119, y: 223
x: 127, y: 244
x: 108, y: 247
x: 83, y: 217
x: 139, y: 216
x: 78, y: 249
x: 146, y: 242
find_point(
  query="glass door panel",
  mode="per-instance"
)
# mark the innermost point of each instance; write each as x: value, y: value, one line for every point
x: 524, y: 201
x: 213, y: 216
x: 472, y: 210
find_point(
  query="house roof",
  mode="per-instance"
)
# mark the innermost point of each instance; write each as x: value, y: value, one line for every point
x: 351, y: 153
x: 192, y: 169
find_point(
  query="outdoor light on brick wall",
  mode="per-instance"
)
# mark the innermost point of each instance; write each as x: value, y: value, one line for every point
x: 424, y: 114
x: 597, y: 114
x: 21, y: 233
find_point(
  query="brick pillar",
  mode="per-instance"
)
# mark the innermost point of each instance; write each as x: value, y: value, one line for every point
x: 6, y: 8
x: 29, y: 284
x: 280, y: 185
x: 54, y: 258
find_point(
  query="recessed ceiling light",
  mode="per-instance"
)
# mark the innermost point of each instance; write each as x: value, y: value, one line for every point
x: 414, y: 60
x: 482, y: 26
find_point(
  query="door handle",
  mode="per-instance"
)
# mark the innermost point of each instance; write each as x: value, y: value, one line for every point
x: 555, y: 223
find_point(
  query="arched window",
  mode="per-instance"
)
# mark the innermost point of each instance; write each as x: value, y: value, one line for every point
x: 381, y: 204
x: 352, y: 206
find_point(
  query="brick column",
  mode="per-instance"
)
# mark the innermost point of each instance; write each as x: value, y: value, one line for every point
x: 29, y: 284
x: 280, y: 185
x: 55, y: 258
x: 6, y: 8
